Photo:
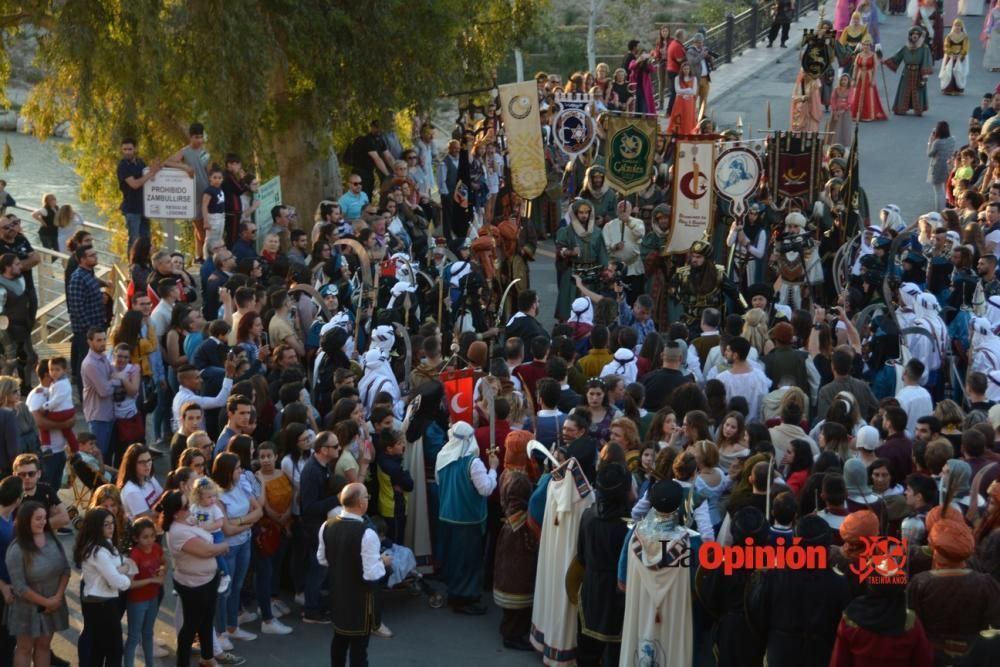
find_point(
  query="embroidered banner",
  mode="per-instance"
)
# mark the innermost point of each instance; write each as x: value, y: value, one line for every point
x: 694, y: 194
x: 574, y: 128
x: 737, y: 173
x: 629, y: 153
x: 794, y: 165
x: 523, y: 127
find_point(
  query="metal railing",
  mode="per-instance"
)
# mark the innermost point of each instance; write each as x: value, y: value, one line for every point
x: 742, y: 31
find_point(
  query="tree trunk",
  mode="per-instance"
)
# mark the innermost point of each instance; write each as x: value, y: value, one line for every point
x: 595, y: 8
x: 301, y: 173
x: 519, y: 64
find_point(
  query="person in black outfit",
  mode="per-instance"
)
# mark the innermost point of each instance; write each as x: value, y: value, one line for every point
x: 660, y: 384
x: 602, y: 534
x: 368, y: 153
x: 781, y: 19
x: 317, y: 496
x: 350, y: 548
x: 524, y: 324
x: 557, y: 369
x: 580, y: 445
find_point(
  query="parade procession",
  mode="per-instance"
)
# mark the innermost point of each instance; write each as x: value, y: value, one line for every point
x: 678, y: 361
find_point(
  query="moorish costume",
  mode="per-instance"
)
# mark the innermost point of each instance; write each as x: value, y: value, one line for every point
x: 579, y: 246
x: 916, y: 62
x: 955, y: 64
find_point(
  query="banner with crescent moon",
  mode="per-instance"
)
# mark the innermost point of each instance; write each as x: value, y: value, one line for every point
x: 694, y: 194
x: 458, y: 387
x: 794, y: 165
x: 629, y: 153
x: 523, y: 127
x: 573, y: 128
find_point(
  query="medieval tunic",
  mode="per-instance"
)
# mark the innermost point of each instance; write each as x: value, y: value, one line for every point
x: 590, y: 243
x: 659, y: 621
x: 912, y: 90
x: 602, y: 605
x: 517, y: 547
x: 807, y: 104
x: 954, y: 605
x: 553, y: 618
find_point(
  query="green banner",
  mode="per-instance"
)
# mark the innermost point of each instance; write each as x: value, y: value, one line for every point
x: 629, y: 154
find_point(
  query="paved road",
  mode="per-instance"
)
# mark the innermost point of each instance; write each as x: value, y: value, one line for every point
x: 894, y: 167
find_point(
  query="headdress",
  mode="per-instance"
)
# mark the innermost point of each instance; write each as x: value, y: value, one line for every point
x: 700, y: 247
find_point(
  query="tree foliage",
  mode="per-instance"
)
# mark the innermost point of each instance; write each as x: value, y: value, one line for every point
x: 277, y: 81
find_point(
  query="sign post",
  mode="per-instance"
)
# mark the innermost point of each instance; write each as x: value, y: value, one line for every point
x: 168, y: 196
x: 269, y: 196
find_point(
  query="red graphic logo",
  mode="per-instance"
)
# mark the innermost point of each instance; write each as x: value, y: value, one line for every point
x: 883, y: 560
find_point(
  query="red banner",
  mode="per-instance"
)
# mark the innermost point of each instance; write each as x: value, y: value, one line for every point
x: 458, y: 387
x: 794, y: 166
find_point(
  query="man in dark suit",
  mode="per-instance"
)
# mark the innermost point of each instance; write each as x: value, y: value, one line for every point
x: 557, y: 369
x: 524, y: 324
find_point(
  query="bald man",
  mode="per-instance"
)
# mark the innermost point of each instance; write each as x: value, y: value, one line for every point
x: 350, y: 549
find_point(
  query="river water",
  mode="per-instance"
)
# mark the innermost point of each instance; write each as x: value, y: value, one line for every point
x: 37, y: 169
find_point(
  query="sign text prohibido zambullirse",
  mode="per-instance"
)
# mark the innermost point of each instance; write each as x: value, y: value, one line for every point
x: 170, y: 195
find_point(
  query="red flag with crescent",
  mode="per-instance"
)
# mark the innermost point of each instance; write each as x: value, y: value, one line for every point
x: 458, y: 388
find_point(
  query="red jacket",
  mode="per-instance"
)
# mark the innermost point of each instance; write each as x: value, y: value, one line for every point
x: 530, y: 373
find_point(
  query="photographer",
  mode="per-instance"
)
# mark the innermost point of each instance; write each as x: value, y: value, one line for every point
x: 622, y: 237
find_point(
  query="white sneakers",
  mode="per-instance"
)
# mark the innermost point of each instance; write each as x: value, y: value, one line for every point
x: 300, y: 599
x: 224, y: 642
x: 242, y: 635
x: 383, y: 631
x: 224, y: 582
x: 275, y: 627
x: 246, y: 617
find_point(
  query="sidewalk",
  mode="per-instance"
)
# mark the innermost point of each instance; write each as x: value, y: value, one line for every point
x: 752, y: 61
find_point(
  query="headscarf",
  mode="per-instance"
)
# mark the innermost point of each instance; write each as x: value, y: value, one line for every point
x: 515, y: 455
x: 892, y: 218
x: 384, y: 338
x: 623, y: 364
x: 959, y: 477
x: 952, y: 542
x: 856, y: 480
x: 908, y: 293
x: 588, y: 186
x: 578, y: 227
x: 461, y: 443
x: 582, y: 311
x: 856, y: 525
x: 376, y: 367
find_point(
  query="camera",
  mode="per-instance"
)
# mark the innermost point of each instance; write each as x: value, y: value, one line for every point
x: 603, y: 276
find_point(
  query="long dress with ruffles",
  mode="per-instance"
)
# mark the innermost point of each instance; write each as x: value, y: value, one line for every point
x: 955, y: 64
x: 865, y: 103
x: 683, y: 118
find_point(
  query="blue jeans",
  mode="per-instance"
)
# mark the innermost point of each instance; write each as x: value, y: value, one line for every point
x: 267, y: 570
x: 102, y: 431
x: 52, y: 469
x: 228, y: 610
x: 163, y: 412
x: 141, y: 619
x: 138, y: 225
x: 219, y: 538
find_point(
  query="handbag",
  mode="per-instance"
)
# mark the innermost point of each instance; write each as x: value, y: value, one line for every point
x: 267, y: 536
x: 148, y: 395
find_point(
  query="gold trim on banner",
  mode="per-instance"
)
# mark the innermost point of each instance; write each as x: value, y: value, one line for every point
x: 639, y: 181
x: 523, y: 127
x: 703, y: 206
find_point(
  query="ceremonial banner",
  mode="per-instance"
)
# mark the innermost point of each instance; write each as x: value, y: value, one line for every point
x: 458, y: 386
x: 694, y: 194
x: 574, y: 128
x: 794, y: 165
x: 629, y: 153
x: 523, y: 126
x: 737, y: 173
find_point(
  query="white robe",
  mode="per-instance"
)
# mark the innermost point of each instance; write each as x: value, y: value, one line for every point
x: 418, y: 528
x: 553, y: 617
x: 659, y: 624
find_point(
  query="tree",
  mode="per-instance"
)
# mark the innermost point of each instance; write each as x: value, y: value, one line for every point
x: 279, y: 81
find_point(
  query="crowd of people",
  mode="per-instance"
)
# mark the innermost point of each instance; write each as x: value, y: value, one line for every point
x: 294, y: 393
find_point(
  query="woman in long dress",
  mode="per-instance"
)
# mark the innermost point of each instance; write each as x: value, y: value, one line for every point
x: 955, y: 64
x: 865, y: 103
x: 851, y: 37
x: 991, y: 40
x: 683, y: 119
x: 840, y: 126
x: 807, y: 106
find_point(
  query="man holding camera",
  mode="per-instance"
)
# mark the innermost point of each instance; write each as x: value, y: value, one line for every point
x: 622, y: 237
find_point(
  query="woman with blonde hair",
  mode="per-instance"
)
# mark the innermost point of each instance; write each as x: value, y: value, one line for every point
x: 67, y: 222
x: 755, y: 330
x: 624, y: 433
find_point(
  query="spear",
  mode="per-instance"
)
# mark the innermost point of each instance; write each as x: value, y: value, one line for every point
x: 769, y: 115
x: 885, y: 88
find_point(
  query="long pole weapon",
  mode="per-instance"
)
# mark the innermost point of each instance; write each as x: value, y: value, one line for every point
x: 885, y: 88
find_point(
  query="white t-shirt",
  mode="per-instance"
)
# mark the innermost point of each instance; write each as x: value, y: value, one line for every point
x: 189, y: 570
x: 139, y: 499
x: 293, y: 471
x: 201, y: 516
x: 753, y: 386
x: 917, y: 403
x: 35, y: 401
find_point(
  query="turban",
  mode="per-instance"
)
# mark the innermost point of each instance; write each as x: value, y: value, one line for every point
x: 856, y: 525
x: 516, y: 452
x: 952, y: 542
x: 935, y: 515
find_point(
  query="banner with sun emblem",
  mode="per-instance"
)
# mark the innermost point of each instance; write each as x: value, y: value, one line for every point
x: 629, y: 153
x: 694, y: 194
x: 523, y: 127
x: 794, y: 165
x: 573, y: 128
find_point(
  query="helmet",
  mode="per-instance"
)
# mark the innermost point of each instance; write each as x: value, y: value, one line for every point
x: 701, y: 248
